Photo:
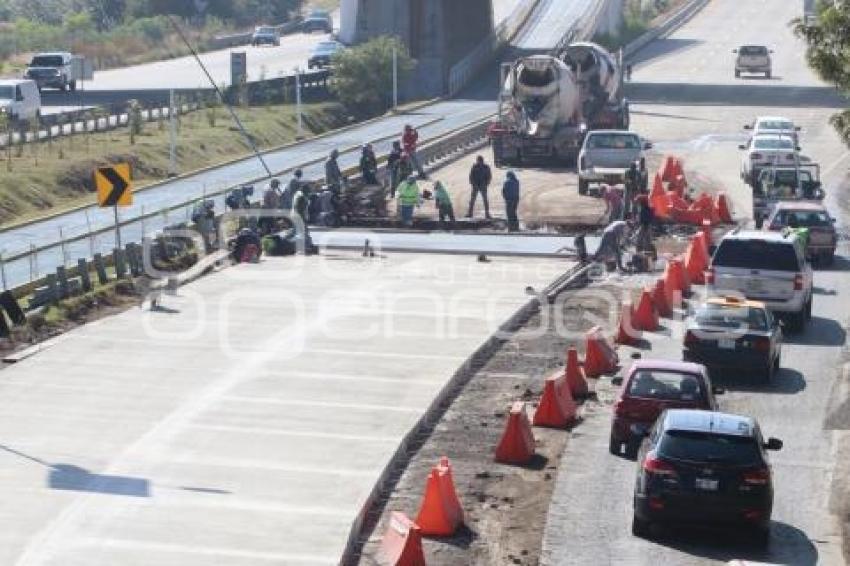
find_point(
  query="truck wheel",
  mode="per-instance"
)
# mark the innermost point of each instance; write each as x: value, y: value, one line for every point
x: 582, y: 186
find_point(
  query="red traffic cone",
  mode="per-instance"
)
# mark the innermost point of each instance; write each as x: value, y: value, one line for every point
x: 517, y: 443
x: 574, y: 375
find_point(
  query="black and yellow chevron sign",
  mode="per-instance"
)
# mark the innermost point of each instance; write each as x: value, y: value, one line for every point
x: 114, y: 187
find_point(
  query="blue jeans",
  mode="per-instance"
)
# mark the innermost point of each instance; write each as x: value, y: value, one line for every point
x: 407, y: 213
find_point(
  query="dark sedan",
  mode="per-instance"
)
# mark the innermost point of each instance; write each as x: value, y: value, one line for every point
x: 736, y: 335
x: 704, y: 468
x: 323, y: 54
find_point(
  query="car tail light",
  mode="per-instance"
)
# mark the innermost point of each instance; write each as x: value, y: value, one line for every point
x: 756, y: 156
x: 690, y: 338
x: 753, y: 514
x: 761, y: 344
x: 619, y: 408
x: 709, y: 276
x: 657, y: 467
x: 760, y: 476
x: 656, y: 503
x: 798, y: 282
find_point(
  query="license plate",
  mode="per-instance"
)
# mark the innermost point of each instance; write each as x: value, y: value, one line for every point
x: 706, y: 484
x: 726, y: 343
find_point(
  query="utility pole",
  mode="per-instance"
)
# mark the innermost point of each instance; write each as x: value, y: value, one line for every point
x: 172, y: 126
x: 395, y: 79
x: 300, y: 134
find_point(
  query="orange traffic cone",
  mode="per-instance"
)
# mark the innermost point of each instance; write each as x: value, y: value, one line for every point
x: 678, y: 278
x: 599, y: 354
x: 678, y: 167
x: 440, y: 513
x: 627, y: 333
x: 723, y: 210
x: 659, y: 299
x: 645, y: 317
x: 556, y: 409
x: 658, y: 198
x: 517, y: 443
x: 574, y: 375
x: 668, y: 170
x: 696, y: 260
x: 401, y: 545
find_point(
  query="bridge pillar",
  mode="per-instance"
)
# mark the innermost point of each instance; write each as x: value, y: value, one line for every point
x: 438, y: 32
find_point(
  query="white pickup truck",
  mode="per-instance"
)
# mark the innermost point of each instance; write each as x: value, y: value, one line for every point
x: 606, y: 155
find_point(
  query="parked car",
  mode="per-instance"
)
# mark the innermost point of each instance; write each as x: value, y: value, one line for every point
x: 770, y: 267
x: 265, y: 35
x: 318, y: 20
x: 734, y: 334
x: 649, y: 387
x: 774, y: 125
x: 53, y: 70
x: 753, y: 59
x: 705, y: 468
x: 766, y: 150
x: 20, y: 100
x: 323, y: 53
x: 813, y: 216
x: 605, y: 157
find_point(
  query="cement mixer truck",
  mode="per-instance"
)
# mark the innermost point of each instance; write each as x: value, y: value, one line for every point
x: 548, y: 103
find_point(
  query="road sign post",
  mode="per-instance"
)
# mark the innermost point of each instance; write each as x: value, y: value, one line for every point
x: 114, y: 189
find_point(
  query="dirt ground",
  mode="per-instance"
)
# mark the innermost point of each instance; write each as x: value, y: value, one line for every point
x: 547, y: 196
x: 505, y: 506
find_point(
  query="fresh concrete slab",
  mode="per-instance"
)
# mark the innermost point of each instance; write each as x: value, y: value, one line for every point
x: 246, y: 424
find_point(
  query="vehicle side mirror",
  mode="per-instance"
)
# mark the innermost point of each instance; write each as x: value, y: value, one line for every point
x: 718, y: 390
x: 797, y: 129
x: 734, y: 51
x: 799, y: 148
x: 742, y: 147
x: 617, y: 380
x: 773, y: 444
x: 748, y: 127
x: 833, y: 220
x: 647, y: 145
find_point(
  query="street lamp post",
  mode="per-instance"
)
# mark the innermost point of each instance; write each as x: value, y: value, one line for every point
x: 300, y: 133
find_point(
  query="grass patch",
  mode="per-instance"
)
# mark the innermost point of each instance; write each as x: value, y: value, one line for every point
x: 638, y: 18
x: 329, y: 5
x: 57, y: 175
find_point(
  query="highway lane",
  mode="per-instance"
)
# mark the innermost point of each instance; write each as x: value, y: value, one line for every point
x: 590, y: 517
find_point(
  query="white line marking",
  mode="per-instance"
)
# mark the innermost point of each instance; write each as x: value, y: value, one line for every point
x: 324, y: 404
x: 304, y: 434
x: 243, y: 463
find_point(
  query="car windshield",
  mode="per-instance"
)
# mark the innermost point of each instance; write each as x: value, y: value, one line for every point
x: 46, y: 61
x: 266, y: 30
x: 7, y: 92
x: 697, y: 446
x: 773, y: 143
x: 803, y: 218
x: 613, y: 141
x: 751, y: 50
x: 731, y: 316
x: 776, y: 125
x: 665, y: 385
x: 756, y: 254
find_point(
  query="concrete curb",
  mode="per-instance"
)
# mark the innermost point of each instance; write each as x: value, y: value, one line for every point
x: 369, y: 515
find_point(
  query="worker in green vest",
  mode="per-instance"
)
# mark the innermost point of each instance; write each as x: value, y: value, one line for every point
x: 408, y: 198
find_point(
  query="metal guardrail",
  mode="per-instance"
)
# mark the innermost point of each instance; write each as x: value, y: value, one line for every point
x: 467, y: 68
x: 671, y: 22
x: 235, y: 39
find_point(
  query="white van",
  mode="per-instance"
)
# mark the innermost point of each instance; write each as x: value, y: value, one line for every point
x: 20, y: 99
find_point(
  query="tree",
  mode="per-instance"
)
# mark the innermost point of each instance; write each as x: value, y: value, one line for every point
x: 363, y: 75
x: 828, y: 52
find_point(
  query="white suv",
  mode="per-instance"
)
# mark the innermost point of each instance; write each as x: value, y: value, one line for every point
x: 770, y: 267
x: 767, y: 150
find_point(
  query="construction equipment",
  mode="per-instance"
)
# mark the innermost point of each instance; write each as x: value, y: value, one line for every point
x: 548, y: 103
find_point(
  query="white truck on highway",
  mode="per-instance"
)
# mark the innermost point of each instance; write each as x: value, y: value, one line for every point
x: 548, y: 103
x: 606, y: 155
x: 54, y: 70
x: 20, y: 101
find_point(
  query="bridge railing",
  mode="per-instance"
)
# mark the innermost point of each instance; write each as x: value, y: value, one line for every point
x: 467, y: 68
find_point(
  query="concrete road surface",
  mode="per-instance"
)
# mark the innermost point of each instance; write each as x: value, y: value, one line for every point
x: 247, y: 421
x: 590, y: 517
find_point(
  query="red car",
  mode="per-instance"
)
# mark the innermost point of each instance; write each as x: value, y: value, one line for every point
x: 649, y: 387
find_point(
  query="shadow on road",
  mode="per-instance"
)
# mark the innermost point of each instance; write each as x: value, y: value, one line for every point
x: 788, y: 545
x: 735, y: 95
x: 786, y: 382
x: 663, y: 47
x: 819, y: 332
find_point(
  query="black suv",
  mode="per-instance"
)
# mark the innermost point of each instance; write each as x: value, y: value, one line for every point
x: 704, y: 468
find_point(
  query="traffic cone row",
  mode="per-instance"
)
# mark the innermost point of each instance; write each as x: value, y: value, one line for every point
x: 645, y: 316
x: 696, y: 259
x: 600, y: 357
x: 627, y: 334
x: 672, y: 203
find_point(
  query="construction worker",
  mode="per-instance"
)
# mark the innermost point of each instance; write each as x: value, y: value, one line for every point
x: 333, y: 175
x: 613, y: 240
x: 632, y: 182
x: 247, y: 247
x: 408, y: 199
x: 645, y: 219
x: 369, y: 165
x: 444, y: 205
x: 644, y: 175
x: 393, y: 162
x: 510, y: 192
x: 300, y: 206
x: 292, y: 188
x: 613, y: 202
x: 271, y: 201
x: 480, y: 177
x: 409, y: 140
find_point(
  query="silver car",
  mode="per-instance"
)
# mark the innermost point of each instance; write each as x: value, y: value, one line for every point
x: 753, y: 59
x: 606, y: 155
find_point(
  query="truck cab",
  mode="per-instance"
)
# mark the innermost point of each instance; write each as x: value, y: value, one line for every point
x: 785, y: 183
x: 52, y: 70
x: 20, y: 100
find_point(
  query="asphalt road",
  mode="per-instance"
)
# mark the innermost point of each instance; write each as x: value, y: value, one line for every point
x: 590, y: 517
